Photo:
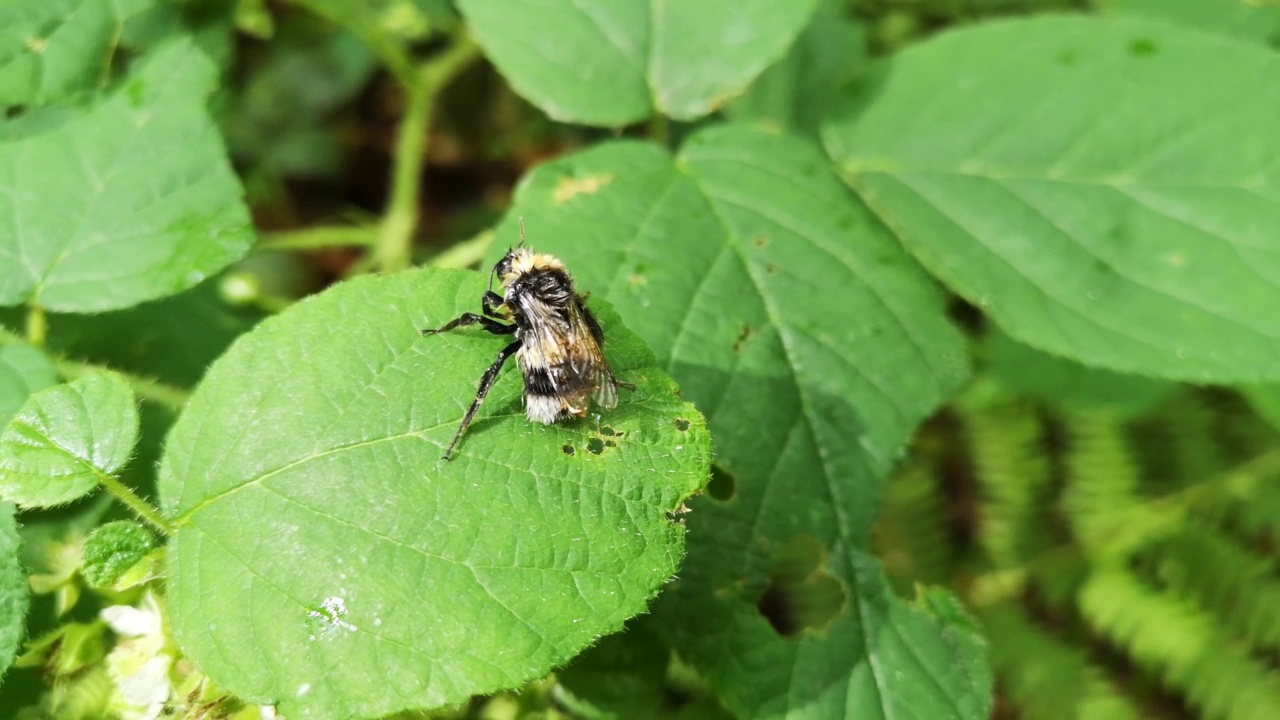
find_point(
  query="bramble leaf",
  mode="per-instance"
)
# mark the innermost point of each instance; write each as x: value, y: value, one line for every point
x: 65, y: 438
x: 815, y: 346
x: 1085, y: 188
x: 328, y: 560
x: 620, y: 62
x: 54, y: 49
x: 130, y: 200
x: 112, y: 549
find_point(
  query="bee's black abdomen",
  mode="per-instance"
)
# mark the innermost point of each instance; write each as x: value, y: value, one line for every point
x: 537, y: 381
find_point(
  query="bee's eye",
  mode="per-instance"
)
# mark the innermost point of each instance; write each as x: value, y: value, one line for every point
x: 504, y: 265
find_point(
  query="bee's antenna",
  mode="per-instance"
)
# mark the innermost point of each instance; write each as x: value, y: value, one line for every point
x: 521, y: 220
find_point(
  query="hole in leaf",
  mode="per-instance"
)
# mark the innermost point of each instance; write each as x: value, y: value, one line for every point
x: 682, y: 425
x: 14, y: 111
x: 606, y: 430
x: 801, y: 594
x: 744, y: 335
x: 1142, y: 47
x: 568, y: 450
x: 722, y: 486
x: 965, y: 314
x: 595, y: 446
x: 610, y: 443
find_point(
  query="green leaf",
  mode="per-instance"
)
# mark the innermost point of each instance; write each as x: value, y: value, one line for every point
x: 112, y: 549
x: 1084, y: 187
x: 65, y: 438
x: 814, y: 345
x: 53, y: 49
x: 173, y: 339
x: 794, y: 93
x: 14, y: 595
x: 327, y: 559
x: 23, y: 370
x: 620, y: 62
x: 1063, y: 382
x: 131, y: 200
x: 1240, y: 19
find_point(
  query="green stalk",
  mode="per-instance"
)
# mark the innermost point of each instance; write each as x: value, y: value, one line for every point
x: 393, y: 248
x: 127, y: 496
x: 660, y: 129
x: 316, y: 238
x: 37, y: 325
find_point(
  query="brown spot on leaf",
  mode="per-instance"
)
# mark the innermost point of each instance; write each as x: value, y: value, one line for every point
x: 570, y: 187
x: 744, y: 336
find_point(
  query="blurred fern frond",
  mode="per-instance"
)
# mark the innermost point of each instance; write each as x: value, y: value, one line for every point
x: 1123, y: 564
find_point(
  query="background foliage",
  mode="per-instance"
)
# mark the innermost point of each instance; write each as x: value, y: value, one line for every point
x: 952, y: 323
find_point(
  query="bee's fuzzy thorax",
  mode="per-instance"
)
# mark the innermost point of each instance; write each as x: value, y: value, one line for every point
x: 524, y: 261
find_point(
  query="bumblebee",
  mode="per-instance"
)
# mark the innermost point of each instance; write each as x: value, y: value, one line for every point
x: 558, y: 341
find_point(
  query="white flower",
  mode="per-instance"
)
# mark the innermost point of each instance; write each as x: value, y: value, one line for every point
x: 138, y: 665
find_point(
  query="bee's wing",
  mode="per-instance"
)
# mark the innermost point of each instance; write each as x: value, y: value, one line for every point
x: 591, y: 365
x: 567, y: 344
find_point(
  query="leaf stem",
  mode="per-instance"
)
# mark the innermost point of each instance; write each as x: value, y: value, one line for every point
x: 144, y: 509
x: 168, y: 396
x: 315, y: 238
x: 37, y: 325
x: 660, y: 129
x: 393, y: 248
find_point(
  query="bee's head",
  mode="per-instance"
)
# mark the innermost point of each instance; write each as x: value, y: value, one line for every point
x: 510, y: 265
x: 513, y: 263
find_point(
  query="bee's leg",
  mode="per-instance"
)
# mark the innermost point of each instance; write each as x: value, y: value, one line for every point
x: 466, y: 319
x: 491, y: 302
x: 486, y: 382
